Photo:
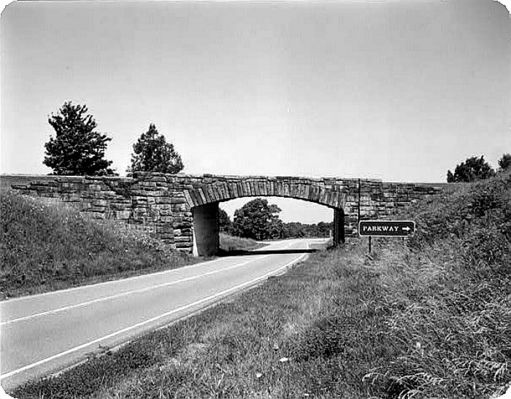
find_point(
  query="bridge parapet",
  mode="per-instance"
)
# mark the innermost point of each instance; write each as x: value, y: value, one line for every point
x: 163, y: 204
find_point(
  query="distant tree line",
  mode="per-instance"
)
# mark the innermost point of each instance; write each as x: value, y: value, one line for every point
x: 476, y: 168
x: 260, y: 221
x: 299, y: 230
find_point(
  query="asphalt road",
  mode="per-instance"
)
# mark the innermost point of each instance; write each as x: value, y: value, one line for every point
x: 44, y: 333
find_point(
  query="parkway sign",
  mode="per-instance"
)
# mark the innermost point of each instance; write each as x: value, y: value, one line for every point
x: 386, y: 228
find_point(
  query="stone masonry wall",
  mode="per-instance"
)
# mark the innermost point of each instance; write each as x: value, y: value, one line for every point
x: 162, y: 204
x: 147, y: 204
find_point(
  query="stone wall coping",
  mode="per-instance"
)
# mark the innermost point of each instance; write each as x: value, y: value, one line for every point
x: 429, y: 184
x: 222, y: 177
x: 49, y: 177
x: 184, y: 175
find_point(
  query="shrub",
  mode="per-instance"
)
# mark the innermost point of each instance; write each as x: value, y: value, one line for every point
x: 472, y: 169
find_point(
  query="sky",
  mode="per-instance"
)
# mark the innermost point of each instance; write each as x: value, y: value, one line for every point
x: 393, y: 90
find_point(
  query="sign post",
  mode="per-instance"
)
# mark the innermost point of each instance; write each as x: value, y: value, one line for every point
x: 385, y: 228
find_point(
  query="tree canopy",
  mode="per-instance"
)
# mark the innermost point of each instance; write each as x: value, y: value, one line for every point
x: 505, y: 162
x: 152, y: 153
x: 224, y: 221
x: 473, y: 168
x: 77, y: 148
x: 257, y: 220
x: 299, y: 230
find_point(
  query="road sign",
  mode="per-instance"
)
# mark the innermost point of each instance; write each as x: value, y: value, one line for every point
x: 386, y: 228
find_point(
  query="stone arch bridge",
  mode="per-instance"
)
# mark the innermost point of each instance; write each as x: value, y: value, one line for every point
x: 182, y: 210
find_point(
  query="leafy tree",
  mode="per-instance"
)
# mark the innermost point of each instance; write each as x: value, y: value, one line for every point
x: 505, y: 162
x: 293, y: 229
x: 77, y: 148
x: 152, y: 153
x: 224, y: 222
x: 258, y: 220
x: 298, y: 230
x: 276, y: 226
x: 325, y: 228
x: 450, y: 177
x: 473, y: 168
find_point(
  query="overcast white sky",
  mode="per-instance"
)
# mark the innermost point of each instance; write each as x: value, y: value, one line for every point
x: 396, y: 90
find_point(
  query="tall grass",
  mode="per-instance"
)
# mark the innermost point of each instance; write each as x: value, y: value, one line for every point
x: 430, y: 318
x: 46, y: 246
x: 231, y: 243
x: 452, y: 305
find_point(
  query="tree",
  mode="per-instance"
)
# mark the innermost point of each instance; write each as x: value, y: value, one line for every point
x: 152, y: 153
x: 293, y: 229
x: 77, y: 148
x: 258, y: 220
x: 325, y: 228
x: 298, y: 230
x: 473, y: 168
x: 505, y: 162
x: 224, y: 222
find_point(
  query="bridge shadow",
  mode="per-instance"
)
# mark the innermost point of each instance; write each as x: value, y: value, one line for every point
x: 222, y: 252
x: 314, y: 247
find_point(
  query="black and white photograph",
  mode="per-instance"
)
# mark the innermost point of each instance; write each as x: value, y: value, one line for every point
x: 255, y: 199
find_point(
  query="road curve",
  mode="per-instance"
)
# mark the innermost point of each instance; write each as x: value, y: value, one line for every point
x: 44, y: 333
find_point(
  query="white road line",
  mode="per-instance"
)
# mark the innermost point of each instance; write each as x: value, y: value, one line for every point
x: 29, y: 297
x: 64, y: 308
x: 153, y: 319
x: 82, y: 287
x: 126, y: 293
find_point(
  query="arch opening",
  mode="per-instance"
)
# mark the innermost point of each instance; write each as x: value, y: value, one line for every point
x: 206, y: 237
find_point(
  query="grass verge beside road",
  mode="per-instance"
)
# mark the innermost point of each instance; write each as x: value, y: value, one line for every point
x: 232, y: 243
x: 422, y: 319
x: 46, y: 246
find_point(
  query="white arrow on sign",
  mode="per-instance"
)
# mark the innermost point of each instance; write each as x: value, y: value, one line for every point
x: 406, y: 228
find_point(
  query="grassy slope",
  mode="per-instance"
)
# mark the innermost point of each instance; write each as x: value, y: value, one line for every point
x: 232, y: 243
x: 428, y: 319
x: 46, y: 246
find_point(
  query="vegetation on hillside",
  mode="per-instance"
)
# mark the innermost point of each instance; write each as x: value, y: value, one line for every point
x: 475, y: 168
x: 230, y: 243
x: 47, y: 246
x: 422, y: 319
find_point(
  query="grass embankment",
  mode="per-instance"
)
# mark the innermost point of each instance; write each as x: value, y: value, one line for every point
x: 231, y: 243
x: 45, y: 246
x: 431, y: 318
